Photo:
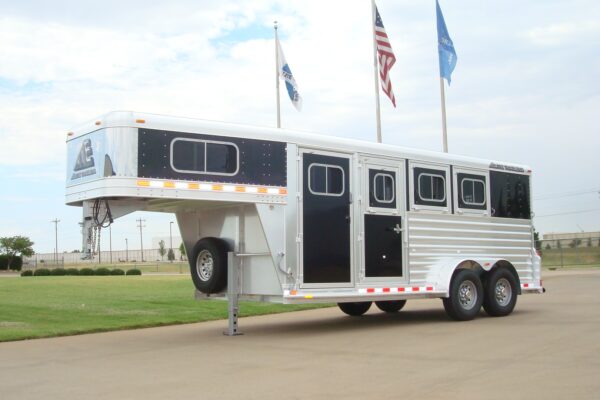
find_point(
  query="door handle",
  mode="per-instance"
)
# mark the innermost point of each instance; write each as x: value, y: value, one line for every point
x: 397, y: 229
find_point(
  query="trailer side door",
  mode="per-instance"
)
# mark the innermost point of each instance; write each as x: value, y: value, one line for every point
x: 383, y: 225
x: 326, y: 220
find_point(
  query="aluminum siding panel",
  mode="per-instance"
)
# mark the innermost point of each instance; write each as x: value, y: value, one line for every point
x: 439, y: 238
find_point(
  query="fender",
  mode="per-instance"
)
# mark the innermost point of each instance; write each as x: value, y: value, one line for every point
x: 445, y: 269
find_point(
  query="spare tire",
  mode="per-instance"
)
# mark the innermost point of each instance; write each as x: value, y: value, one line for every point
x: 209, y: 265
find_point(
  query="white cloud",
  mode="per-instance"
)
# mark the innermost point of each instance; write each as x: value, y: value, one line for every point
x: 564, y: 33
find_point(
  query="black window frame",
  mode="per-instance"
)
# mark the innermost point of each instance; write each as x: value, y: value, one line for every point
x: 327, y: 167
x: 461, y: 177
x: 374, y: 201
x: 433, y: 172
x: 206, y: 156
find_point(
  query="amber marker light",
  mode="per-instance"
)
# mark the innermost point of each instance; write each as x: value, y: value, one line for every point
x: 140, y: 121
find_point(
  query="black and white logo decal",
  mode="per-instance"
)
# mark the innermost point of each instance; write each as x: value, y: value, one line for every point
x: 84, y: 166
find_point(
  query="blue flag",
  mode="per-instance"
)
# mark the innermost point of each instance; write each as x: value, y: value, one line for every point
x: 445, y: 46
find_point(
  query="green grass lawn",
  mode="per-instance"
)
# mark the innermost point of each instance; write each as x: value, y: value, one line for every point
x: 36, y: 307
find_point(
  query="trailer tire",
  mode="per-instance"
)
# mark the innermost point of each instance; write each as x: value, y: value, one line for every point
x: 501, y: 291
x: 355, y: 309
x: 209, y: 267
x: 466, y: 296
x: 391, y: 306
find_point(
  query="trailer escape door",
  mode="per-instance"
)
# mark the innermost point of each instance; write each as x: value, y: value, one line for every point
x: 326, y: 220
x: 383, y: 223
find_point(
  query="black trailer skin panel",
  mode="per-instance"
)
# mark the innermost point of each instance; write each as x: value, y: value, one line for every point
x: 237, y: 160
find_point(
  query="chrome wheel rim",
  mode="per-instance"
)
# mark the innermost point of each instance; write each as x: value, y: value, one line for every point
x: 205, y: 265
x: 467, y: 295
x: 503, y: 292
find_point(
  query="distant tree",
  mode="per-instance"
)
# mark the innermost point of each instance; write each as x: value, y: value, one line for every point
x: 182, y: 251
x: 76, y: 251
x: 536, y: 240
x: 558, y: 245
x: 16, y: 246
x: 162, y: 250
x: 575, y: 243
x: 590, y: 242
x: 171, y: 255
x: 548, y: 246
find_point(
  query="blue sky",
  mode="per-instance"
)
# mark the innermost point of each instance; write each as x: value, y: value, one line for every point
x: 525, y: 88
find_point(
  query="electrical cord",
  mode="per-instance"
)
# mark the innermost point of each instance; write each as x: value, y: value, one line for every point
x: 96, y: 214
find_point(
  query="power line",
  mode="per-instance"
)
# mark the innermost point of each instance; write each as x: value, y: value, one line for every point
x: 568, y: 213
x: 566, y: 194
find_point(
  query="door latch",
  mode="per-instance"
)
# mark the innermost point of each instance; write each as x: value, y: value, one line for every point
x: 396, y: 229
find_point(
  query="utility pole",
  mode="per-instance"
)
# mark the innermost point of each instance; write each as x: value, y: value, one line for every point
x: 141, y: 225
x: 126, y: 251
x: 110, y: 242
x: 171, y: 237
x: 56, y: 221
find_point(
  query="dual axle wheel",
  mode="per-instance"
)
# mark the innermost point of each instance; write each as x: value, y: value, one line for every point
x: 467, y: 294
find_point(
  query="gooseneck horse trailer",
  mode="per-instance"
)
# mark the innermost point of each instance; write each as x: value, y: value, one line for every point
x: 283, y: 216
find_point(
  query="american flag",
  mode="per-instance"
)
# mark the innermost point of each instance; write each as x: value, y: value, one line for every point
x: 386, y: 57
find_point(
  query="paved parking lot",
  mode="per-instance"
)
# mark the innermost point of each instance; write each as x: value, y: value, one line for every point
x: 548, y: 348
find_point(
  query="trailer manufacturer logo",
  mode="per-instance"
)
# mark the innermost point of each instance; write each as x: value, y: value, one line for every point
x: 503, y: 167
x: 84, y: 166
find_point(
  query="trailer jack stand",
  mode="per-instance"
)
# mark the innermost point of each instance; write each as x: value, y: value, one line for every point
x: 233, y: 293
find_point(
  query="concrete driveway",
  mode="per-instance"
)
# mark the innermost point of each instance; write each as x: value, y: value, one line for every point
x: 548, y: 348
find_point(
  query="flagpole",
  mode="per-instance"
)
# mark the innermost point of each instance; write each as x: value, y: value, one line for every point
x: 444, y: 130
x: 277, y: 76
x: 376, y: 73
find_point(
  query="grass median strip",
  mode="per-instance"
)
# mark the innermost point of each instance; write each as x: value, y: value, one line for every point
x: 57, y: 306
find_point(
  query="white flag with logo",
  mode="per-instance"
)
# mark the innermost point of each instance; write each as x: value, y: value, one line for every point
x: 290, y: 83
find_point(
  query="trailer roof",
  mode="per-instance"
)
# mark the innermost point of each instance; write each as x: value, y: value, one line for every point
x: 305, y: 139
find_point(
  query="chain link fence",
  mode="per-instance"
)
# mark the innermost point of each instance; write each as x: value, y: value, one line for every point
x: 559, y: 253
x: 150, y: 261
